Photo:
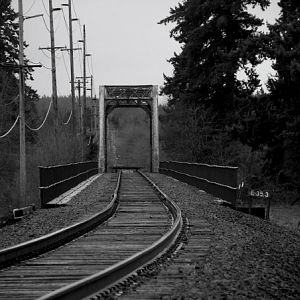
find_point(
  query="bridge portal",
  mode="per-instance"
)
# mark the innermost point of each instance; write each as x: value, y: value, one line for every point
x: 143, y: 96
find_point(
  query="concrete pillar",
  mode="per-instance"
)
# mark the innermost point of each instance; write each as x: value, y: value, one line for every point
x: 155, y: 135
x: 101, y: 156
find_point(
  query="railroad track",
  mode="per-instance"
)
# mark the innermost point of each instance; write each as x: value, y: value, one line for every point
x: 144, y: 227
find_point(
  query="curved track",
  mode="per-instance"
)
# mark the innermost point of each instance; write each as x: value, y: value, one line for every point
x: 146, y: 224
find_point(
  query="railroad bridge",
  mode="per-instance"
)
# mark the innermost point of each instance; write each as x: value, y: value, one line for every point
x: 143, y: 96
x: 132, y: 240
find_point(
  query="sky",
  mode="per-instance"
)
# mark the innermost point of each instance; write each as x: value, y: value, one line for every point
x: 127, y: 45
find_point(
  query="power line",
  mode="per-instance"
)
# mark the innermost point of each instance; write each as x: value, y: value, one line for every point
x: 79, y: 26
x: 79, y: 57
x: 92, y: 65
x: 29, y: 9
x: 65, y: 21
x: 58, y: 23
x: 44, y: 121
x: 58, y: 15
x: 45, y: 53
x: 45, y: 8
x: 11, y: 102
x: 11, y: 128
x: 66, y: 66
x: 75, y: 13
x: 88, y: 63
x: 5, y: 83
x: 39, y: 63
x: 69, y: 118
x: 73, y: 6
x: 45, y: 24
x: 48, y: 68
x: 90, y: 140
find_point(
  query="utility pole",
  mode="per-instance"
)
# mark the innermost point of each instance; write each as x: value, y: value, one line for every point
x: 53, y: 69
x: 93, y: 106
x: 79, y: 103
x: 72, y: 73
x: 71, y: 49
x: 92, y: 87
x: 91, y: 116
x: 80, y: 118
x: 22, y: 198
x: 95, y: 114
x: 84, y: 82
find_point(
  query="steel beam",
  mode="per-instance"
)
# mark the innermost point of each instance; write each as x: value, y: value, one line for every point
x: 155, y: 134
x: 102, y: 157
x: 145, y: 97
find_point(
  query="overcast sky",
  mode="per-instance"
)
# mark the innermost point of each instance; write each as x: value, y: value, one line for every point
x: 126, y: 43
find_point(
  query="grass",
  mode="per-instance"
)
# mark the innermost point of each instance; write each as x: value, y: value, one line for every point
x: 286, y: 215
x: 42, y: 153
x: 45, y: 153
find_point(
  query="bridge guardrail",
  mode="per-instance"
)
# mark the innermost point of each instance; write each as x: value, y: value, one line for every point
x: 219, y: 181
x: 55, y: 180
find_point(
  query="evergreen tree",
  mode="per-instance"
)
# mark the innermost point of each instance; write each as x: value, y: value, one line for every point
x: 9, y: 44
x: 9, y: 102
x: 284, y: 141
x: 218, y: 38
x: 9, y: 73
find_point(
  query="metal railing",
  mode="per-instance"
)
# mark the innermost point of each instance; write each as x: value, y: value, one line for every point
x: 219, y: 181
x: 55, y: 180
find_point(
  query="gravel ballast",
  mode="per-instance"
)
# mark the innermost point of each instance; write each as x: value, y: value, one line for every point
x: 89, y: 201
x: 249, y: 258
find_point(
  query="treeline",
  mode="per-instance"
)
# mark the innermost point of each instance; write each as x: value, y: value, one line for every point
x: 41, y: 148
x: 212, y: 116
x: 9, y: 106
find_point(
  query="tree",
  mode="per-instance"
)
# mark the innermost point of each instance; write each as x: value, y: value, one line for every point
x: 284, y: 142
x: 9, y: 51
x: 8, y: 55
x: 9, y: 104
x: 218, y: 38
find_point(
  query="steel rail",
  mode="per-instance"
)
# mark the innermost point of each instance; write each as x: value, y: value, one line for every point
x: 102, y: 280
x: 32, y: 248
